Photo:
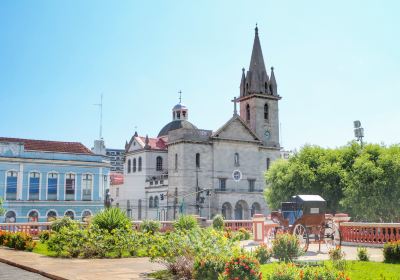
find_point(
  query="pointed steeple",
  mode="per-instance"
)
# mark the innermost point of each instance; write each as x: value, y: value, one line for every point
x: 273, y: 85
x: 257, y: 80
x: 136, y: 134
x: 257, y: 59
x: 242, y: 83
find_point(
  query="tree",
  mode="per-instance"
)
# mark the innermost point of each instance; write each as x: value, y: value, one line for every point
x: 363, y: 181
x: 313, y: 170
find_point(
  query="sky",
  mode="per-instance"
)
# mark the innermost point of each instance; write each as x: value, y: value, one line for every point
x: 334, y: 61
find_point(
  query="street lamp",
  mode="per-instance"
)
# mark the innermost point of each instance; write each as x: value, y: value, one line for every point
x: 358, y: 132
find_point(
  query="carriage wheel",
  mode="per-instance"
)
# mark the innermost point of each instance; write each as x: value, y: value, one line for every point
x: 330, y: 235
x: 300, y: 231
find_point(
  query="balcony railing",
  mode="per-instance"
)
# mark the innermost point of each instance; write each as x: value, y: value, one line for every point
x: 229, y: 190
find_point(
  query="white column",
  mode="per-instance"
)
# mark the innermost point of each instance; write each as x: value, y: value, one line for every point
x: 101, y: 183
x: 20, y: 181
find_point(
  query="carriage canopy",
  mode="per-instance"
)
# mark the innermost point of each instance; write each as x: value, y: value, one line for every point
x: 310, y: 204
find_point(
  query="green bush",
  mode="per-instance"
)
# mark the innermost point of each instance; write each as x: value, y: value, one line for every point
x: 218, y: 222
x: 176, y: 249
x: 185, y: 223
x: 44, y: 236
x: 290, y: 271
x: 286, y: 247
x: 242, y: 267
x: 60, y: 223
x: 111, y: 218
x: 208, y: 268
x: 150, y: 226
x: 263, y: 254
x: 362, y: 254
x: 391, y: 252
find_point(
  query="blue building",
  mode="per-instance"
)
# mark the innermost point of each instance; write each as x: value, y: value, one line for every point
x: 40, y: 180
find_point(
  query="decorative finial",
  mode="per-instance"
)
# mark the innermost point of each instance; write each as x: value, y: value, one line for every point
x: 146, y: 142
x: 243, y: 70
x: 272, y: 68
x: 256, y: 29
x: 180, y: 96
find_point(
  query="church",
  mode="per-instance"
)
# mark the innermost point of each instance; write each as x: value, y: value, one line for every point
x: 207, y: 172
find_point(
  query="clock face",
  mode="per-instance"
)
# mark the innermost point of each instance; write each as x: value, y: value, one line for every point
x: 267, y: 134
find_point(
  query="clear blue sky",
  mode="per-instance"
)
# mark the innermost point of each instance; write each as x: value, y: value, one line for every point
x: 335, y: 62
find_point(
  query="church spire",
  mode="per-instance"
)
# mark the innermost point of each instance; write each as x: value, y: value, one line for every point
x: 257, y: 80
x: 257, y: 59
x: 273, y: 85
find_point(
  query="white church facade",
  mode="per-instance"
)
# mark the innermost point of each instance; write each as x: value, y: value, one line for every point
x: 195, y: 171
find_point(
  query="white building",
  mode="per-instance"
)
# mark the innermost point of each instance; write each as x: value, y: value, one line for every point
x: 194, y: 171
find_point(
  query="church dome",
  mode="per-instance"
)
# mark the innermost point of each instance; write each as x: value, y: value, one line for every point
x: 179, y: 106
x: 176, y: 124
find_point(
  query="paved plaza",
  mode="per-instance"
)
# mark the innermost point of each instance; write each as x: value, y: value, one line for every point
x: 119, y: 269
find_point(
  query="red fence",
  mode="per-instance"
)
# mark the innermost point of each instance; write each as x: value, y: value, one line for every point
x: 370, y: 233
x: 29, y: 228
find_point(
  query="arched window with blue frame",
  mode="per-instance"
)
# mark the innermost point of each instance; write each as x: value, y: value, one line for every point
x: 11, y: 187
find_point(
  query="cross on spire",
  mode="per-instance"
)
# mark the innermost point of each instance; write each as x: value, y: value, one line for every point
x: 180, y: 96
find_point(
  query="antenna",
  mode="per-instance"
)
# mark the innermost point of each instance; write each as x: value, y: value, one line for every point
x: 180, y: 96
x: 101, y: 115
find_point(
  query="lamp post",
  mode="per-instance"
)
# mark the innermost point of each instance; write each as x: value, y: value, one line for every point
x: 358, y: 132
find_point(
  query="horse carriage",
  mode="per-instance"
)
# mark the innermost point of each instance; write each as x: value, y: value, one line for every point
x: 305, y: 217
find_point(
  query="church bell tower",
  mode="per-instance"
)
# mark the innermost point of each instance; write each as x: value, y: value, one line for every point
x: 259, y: 98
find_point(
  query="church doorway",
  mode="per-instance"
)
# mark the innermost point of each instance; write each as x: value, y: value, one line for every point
x: 227, y: 211
x: 241, y: 210
x: 255, y: 209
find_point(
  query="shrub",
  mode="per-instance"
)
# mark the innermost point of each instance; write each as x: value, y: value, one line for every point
x: 60, y: 223
x: 391, y: 252
x: 362, y: 254
x: 290, y: 271
x: 218, y: 222
x: 246, y: 235
x: 18, y: 241
x: 242, y: 267
x: 263, y: 254
x: 286, y: 247
x: 150, y: 226
x: 209, y: 268
x: 111, y: 218
x: 44, y: 236
x: 185, y: 222
x: 4, y: 235
x: 336, y: 254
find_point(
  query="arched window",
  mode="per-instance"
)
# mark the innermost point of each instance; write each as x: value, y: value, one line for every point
x: 176, y: 161
x: 151, y: 202
x: 198, y: 160
x: 52, y: 184
x: 248, y: 112
x: 247, y: 85
x: 51, y: 216
x: 236, y: 159
x: 266, y: 113
x: 11, y: 188
x: 159, y: 166
x: 86, y: 215
x: 129, y: 166
x: 268, y: 163
x: 69, y: 214
x: 134, y: 165
x: 87, y: 185
x: 156, y: 202
x: 140, y: 164
x: 34, y: 178
x: 266, y: 87
x: 271, y: 89
x: 11, y: 217
x: 69, y: 186
x: 33, y: 216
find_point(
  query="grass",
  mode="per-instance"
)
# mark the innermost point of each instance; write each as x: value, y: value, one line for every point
x: 41, y: 249
x: 162, y: 275
x: 356, y: 270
